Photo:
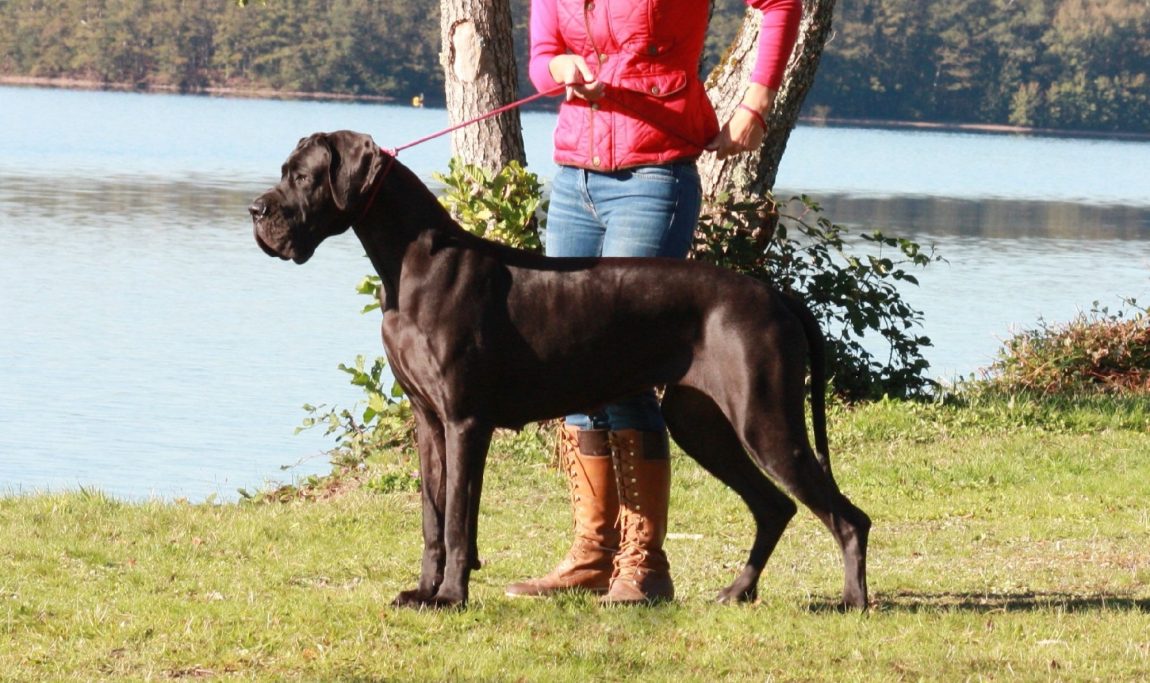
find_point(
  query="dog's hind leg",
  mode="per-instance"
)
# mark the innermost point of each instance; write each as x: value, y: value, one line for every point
x: 810, y: 483
x: 705, y: 434
x: 778, y: 440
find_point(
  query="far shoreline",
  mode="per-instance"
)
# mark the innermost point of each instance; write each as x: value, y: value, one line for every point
x: 814, y: 121
x: 214, y: 91
x: 982, y: 128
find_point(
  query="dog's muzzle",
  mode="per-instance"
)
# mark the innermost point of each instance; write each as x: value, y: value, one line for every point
x: 260, y: 210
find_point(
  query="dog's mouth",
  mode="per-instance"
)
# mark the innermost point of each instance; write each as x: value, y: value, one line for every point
x: 294, y: 253
x: 267, y: 248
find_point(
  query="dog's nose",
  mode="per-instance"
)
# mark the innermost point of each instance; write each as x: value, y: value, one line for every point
x: 258, y: 209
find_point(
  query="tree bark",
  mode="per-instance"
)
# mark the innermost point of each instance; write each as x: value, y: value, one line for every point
x: 752, y: 174
x: 479, y: 73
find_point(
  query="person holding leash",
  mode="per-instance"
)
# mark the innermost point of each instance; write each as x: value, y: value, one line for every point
x: 635, y: 119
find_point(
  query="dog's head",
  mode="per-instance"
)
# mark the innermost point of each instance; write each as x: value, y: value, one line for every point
x: 324, y: 186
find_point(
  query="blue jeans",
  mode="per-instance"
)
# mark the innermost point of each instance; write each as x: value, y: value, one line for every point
x: 642, y: 211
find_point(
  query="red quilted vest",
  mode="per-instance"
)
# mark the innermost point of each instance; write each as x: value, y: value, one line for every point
x: 655, y: 109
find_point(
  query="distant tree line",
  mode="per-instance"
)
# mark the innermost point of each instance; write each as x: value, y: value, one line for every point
x: 1067, y: 64
x: 349, y: 47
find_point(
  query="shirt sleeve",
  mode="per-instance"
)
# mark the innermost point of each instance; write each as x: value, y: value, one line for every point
x: 546, y: 43
x: 777, y: 35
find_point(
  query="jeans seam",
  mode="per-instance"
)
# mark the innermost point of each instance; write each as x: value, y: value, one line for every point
x: 585, y: 194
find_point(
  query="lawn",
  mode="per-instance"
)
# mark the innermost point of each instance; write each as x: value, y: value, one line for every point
x: 1010, y: 542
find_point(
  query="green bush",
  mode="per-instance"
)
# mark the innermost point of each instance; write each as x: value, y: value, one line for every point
x: 851, y: 286
x: 384, y: 423
x: 1096, y: 352
x: 500, y: 206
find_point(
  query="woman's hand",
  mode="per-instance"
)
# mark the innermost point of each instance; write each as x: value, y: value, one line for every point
x: 747, y: 127
x: 572, y: 71
x: 742, y: 133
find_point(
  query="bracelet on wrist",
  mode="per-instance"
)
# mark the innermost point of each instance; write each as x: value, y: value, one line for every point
x: 754, y: 112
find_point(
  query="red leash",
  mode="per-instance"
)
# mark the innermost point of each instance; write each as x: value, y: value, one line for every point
x: 393, y: 152
x: 494, y: 112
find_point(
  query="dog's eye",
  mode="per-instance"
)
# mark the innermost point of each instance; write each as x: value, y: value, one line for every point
x: 301, y: 179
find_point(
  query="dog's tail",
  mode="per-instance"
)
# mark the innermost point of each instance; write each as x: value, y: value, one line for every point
x: 816, y: 352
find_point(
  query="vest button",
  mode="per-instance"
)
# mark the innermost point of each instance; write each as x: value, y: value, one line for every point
x: 602, y: 57
x: 654, y: 90
x: 596, y: 161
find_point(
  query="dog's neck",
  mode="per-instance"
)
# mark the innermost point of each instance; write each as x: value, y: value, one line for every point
x: 404, y: 213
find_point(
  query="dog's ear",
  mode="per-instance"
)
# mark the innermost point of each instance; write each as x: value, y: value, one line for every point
x: 349, y: 173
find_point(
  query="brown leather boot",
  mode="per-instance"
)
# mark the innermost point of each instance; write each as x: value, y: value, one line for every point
x: 643, y: 467
x: 585, y: 456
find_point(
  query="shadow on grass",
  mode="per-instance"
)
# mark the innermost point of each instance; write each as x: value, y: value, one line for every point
x: 1022, y: 601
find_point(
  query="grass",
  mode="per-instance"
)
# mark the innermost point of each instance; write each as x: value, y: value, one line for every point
x: 1011, y: 542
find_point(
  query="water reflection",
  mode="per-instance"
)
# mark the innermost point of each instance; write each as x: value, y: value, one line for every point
x: 923, y: 217
x: 108, y: 200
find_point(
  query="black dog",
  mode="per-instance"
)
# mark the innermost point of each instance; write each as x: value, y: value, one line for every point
x: 482, y: 336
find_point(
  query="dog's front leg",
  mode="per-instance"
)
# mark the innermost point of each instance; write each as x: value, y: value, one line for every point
x: 432, y: 466
x: 467, y: 443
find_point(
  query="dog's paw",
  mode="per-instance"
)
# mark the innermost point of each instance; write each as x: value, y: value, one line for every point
x: 416, y: 599
x: 738, y: 594
x: 854, y: 602
x: 413, y: 598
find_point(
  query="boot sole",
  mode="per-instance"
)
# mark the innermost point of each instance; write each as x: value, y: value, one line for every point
x: 557, y: 591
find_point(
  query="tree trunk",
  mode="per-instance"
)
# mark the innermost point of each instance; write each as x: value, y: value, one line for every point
x: 753, y: 173
x: 479, y: 75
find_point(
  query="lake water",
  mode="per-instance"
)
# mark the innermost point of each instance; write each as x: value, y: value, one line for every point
x: 149, y: 348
